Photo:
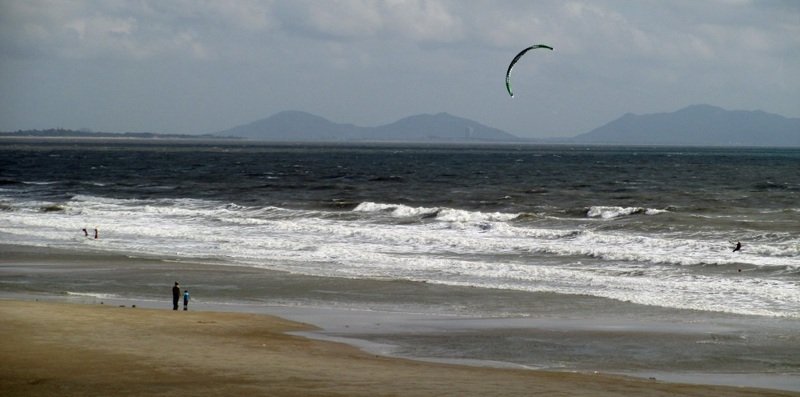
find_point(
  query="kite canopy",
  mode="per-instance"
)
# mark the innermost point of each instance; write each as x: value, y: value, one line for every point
x: 514, y: 61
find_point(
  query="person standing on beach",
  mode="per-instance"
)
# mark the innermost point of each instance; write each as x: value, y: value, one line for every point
x: 176, y: 296
x: 186, y: 300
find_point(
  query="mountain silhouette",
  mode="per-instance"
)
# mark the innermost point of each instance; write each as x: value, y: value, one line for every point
x: 698, y: 125
x: 296, y: 126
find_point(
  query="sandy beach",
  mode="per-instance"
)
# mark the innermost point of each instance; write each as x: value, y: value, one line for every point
x: 79, y: 350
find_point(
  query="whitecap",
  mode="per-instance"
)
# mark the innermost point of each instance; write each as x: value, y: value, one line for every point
x: 611, y: 212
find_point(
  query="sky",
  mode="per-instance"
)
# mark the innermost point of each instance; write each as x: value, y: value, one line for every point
x: 202, y: 66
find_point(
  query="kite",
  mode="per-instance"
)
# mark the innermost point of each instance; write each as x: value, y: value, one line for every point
x: 514, y: 61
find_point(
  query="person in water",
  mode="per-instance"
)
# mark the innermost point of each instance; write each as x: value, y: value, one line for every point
x: 95, y: 234
x: 186, y: 300
x: 738, y: 246
x: 176, y: 296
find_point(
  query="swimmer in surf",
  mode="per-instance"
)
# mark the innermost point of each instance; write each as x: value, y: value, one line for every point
x: 738, y: 246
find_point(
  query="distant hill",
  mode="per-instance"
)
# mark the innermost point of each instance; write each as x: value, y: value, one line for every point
x: 698, y: 125
x: 439, y: 127
x: 295, y: 126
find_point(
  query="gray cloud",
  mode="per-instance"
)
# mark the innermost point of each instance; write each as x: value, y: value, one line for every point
x: 191, y: 66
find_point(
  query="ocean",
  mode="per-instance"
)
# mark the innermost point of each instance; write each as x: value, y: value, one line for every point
x: 576, y: 257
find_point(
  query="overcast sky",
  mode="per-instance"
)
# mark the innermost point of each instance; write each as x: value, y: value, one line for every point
x: 191, y: 66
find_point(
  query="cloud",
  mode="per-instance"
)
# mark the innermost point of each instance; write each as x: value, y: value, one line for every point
x: 130, y: 30
x: 422, y: 20
x: 213, y: 29
x: 366, y: 20
x: 337, y: 19
x: 369, y: 62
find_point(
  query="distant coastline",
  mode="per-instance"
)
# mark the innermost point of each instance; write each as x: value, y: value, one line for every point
x: 696, y: 125
x: 68, y: 133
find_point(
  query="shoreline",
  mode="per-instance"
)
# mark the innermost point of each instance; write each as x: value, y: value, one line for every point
x: 328, y: 325
x: 90, y: 349
x: 390, y: 332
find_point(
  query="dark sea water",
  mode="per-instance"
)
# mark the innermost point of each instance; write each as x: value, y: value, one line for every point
x: 516, y: 232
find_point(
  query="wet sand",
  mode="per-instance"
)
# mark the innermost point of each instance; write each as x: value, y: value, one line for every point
x: 83, y: 350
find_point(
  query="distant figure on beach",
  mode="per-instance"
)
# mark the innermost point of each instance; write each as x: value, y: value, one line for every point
x: 85, y: 233
x: 738, y: 246
x: 176, y: 296
x: 95, y: 233
x: 186, y: 300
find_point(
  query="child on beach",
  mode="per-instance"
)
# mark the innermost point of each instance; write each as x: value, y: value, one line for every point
x: 186, y: 300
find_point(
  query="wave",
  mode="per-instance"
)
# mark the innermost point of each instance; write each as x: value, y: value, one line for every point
x: 439, y: 213
x: 93, y: 295
x: 52, y: 208
x: 40, y: 183
x: 441, y: 228
x: 517, y: 250
x: 96, y: 184
x: 611, y: 212
x: 396, y: 210
x: 773, y: 186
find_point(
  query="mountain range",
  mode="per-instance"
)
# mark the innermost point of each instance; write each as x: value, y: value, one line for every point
x: 696, y: 125
x: 704, y: 125
x: 296, y: 126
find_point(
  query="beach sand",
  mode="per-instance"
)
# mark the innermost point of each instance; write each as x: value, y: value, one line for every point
x: 59, y: 349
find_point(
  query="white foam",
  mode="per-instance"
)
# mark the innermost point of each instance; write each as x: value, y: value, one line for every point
x: 39, y: 183
x: 93, y: 295
x: 455, y: 247
x: 611, y: 212
x: 442, y: 214
x: 454, y: 215
x: 396, y: 210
